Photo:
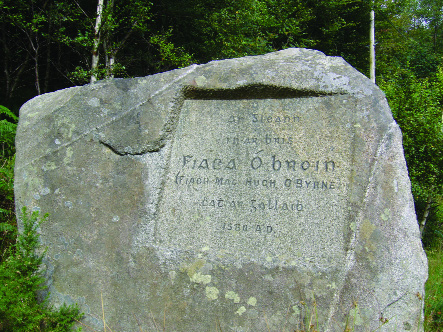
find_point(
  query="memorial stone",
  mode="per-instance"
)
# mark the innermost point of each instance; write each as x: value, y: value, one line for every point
x: 263, y: 193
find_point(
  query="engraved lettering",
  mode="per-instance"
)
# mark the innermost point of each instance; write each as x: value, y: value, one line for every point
x: 231, y: 164
x: 275, y: 205
x: 278, y: 140
x: 179, y: 178
x: 271, y: 204
x: 257, y: 182
x: 301, y: 183
x: 267, y: 229
x: 186, y: 159
x: 299, y: 206
x: 235, y: 119
x: 216, y: 164
x: 225, y: 182
x: 183, y: 180
x: 256, y: 162
x: 241, y: 140
x: 208, y: 163
x: 290, y: 164
x: 253, y: 207
x: 305, y: 165
x: 329, y: 166
x: 204, y: 164
x: 276, y: 164
x: 268, y: 118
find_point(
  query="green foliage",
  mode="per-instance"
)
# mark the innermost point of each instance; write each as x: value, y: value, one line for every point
x: 21, y: 279
x: 433, y: 232
x: 416, y: 106
x: 434, y: 292
x: 409, y: 53
x: 7, y: 131
x: 171, y: 56
x: 230, y: 28
x: 47, y: 45
x: 240, y: 28
x: 82, y: 76
x: 341, y: 27
x: 20, y: 274
x: 7, y: 208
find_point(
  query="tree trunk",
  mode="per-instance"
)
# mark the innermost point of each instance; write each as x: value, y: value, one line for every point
x: 35, y: 45
x: 111, y: 65
x: 372, y: 48
x: 17, y: 75
x: 425, y: 215
x: 48, y: 61
x: 6, y: 62
x: 95, y: 54
x: 37, y: 76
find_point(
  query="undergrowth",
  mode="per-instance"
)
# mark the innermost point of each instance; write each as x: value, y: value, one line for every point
x: 20, y: 280
x: 8, y: 223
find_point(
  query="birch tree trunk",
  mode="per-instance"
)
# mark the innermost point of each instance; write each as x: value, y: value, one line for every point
x: 372, y: 48
x: 425, y: 215
x: 95, y: 53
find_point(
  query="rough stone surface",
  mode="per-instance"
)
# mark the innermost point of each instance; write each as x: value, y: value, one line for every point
x: 251, y: 194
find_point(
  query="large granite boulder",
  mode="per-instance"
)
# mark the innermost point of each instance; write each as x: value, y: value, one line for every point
x: 255, y: 194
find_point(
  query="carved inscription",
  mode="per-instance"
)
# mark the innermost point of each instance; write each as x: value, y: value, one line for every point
x: 253, y: 205
x: 255, y: 170
x: 274, y: 164
x: 268, y: 117
x: 211, y: 170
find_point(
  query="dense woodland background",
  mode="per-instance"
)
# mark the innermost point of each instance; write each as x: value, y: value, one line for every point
x: 46, y: 45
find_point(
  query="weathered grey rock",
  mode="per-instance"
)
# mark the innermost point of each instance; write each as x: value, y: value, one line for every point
x: 251, y: 194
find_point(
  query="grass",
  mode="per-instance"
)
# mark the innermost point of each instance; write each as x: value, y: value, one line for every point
x: 434, y: 292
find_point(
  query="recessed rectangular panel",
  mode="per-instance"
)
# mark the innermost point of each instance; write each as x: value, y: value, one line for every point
x: 260, y: 178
